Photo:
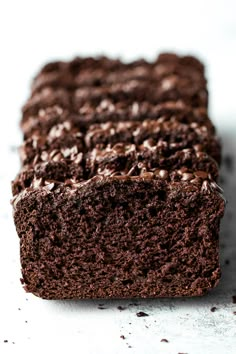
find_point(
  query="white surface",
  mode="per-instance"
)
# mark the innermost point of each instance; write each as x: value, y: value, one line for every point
x: 33, y: 33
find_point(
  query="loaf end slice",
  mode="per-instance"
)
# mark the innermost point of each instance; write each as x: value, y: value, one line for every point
x: 120, y: 237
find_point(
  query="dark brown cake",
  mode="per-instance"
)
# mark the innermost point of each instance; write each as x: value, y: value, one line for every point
x: 117, y: 195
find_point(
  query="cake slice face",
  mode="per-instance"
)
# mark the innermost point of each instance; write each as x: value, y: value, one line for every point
x: 120, y: 237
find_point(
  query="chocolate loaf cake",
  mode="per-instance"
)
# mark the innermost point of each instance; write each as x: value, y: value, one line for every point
x: 117, y: 196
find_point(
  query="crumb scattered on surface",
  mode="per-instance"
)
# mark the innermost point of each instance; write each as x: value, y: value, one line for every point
x: 164, y: 340
x: 122, y: 336
x: 234, y: 299
x: 227, y: 261
x: 213, y: 309
x: 5, y: 341
x: 234, y: 312
x: 142, y: 314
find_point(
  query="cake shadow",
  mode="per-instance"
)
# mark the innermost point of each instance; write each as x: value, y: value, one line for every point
x: 222, y: 294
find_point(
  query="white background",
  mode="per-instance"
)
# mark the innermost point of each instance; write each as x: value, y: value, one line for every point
x: 33, y: 32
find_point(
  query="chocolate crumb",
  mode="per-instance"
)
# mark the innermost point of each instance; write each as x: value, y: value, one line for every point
x: 26, y: 321
x: 141, y: 314
x: 234, y: 299
x: 19, y: 309
x: 129, y: 346
x: 5, y: 341
x: 213, y: 309
x: 146, y: 326
x: 121, y: 308
x: 122, y: 336
x: 227, y: 261
x: 13, y: 342
x: 164, y: 340
x: 234, y: 312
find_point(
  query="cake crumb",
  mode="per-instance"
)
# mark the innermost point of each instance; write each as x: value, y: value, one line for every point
x: 141, y: 314
x: 234, y: 299
x: 213, y: 309
x: 164, y: 340
x: 122, y: 336
x: 5, y: 341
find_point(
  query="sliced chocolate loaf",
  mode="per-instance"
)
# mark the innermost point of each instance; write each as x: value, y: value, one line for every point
x: 117, y: 196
